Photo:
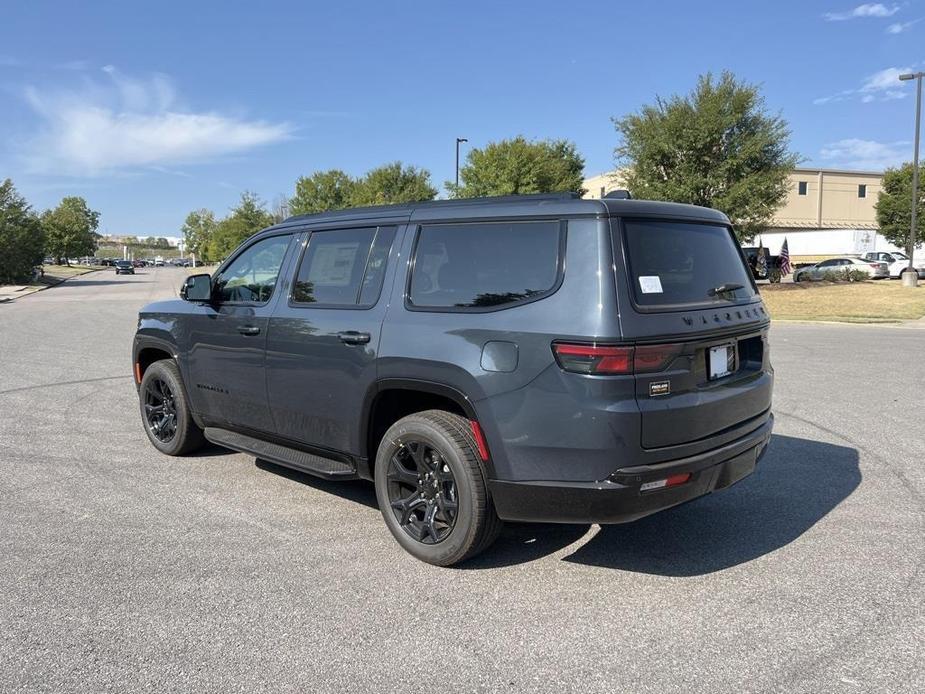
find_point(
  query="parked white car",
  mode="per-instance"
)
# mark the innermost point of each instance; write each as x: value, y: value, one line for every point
x: 876, y: 270
x: 897, y: 262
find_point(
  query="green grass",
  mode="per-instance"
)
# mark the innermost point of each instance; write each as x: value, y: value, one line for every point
x: 881, y: 301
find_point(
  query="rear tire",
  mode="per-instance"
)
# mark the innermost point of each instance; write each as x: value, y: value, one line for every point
x: 165, y: 412
x: 432, y: 490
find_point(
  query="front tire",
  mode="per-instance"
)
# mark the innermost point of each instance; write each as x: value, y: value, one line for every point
x: 165, y: 412
x: 431, y: 488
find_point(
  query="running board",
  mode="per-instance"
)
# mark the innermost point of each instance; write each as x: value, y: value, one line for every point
x: 282, y: 455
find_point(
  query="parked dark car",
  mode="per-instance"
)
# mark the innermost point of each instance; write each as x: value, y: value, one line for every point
x: 124, y: 267
x: 769, y: 270
x: 534, y: 358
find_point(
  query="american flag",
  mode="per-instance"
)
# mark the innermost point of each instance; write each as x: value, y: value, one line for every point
x: 785, y: 259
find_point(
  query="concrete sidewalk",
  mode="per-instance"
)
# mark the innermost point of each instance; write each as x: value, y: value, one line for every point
x: 9, y: 292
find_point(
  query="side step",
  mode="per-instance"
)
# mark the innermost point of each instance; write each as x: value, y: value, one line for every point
x: 282, y: 455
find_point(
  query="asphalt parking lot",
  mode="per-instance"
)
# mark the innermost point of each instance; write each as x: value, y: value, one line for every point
x: 124, y: 570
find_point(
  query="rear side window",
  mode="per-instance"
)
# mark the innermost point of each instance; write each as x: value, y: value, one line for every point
x: 343, y: 267
x: 684, y: 264
x: 485, y: 266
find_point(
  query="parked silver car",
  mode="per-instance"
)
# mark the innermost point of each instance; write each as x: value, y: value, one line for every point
x: 876, y: 269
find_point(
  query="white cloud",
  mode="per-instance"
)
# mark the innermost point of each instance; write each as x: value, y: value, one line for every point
x: 855, y: 153
x: 884, y: 79
x: 877, y: 10
x: 880, y: 86
x: 128, y: 124
x: 900, y: 27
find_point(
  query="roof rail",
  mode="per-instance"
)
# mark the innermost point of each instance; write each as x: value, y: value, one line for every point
x: 443, y: 203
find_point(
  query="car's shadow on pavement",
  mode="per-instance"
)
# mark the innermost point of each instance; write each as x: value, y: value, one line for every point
x: 359, y: 492
x: 797, y: 483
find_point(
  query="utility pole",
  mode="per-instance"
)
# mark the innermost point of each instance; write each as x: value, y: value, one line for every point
x: 910, y: 275
x: 458, y: 140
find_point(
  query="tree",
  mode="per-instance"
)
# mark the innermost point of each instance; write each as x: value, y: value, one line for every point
x: 894, y: 208
x: 70, y: 228
x: 393, y: 184
x: 22, y: 239
x: 716, y: 147
x: 322, y: 191
x: 245, y: 220
x: 198, y: 230
x: 518, y: 166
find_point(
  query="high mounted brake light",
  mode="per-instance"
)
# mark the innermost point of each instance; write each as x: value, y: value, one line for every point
x: 612, y: 359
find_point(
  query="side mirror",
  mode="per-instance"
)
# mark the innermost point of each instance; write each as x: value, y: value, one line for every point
x: 197, y: 288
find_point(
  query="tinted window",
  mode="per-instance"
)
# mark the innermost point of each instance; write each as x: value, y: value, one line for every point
x: 343, y: 267
x: 252, y: 275
x: 673, y: 263
x: 484, y: 265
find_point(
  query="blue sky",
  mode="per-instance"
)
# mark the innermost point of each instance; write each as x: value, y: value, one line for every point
x: 150, y: 110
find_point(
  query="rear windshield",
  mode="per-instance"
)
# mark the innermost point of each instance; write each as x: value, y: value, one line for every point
x: 684, y: 264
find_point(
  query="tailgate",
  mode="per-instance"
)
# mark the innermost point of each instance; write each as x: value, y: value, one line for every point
x: 685, y: 402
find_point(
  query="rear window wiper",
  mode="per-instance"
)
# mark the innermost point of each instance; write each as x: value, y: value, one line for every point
x: 723, y: 288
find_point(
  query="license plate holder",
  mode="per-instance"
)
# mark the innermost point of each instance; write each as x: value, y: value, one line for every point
x: 721, y: 361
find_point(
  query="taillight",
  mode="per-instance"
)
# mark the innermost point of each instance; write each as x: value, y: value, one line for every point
x: 594, y: 359
x: 612, y: 359
x: 651, y: 358
x: 875, y: 266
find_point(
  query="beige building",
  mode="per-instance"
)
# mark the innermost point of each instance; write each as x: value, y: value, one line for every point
x: 827, y: 212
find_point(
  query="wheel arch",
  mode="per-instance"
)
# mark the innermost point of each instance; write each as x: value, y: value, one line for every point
x: 394, y: 398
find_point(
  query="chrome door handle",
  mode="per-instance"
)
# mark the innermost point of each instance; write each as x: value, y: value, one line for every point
x: 353, y: 337
x: 249, y: 330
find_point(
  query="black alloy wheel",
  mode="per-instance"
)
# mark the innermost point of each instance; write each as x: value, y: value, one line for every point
x: 160, y: 410
x: 422, y: 491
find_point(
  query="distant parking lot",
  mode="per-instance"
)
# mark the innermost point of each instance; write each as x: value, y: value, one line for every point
x: 125, y: 570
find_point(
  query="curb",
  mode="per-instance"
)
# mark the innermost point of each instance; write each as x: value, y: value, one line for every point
x: 908, y: 324
x: 11, y: 299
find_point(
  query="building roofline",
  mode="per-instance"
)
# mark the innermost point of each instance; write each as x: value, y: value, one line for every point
x: 848, y: 172
x: 798, y: 169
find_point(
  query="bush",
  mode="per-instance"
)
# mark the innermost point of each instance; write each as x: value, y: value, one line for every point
x: 845, y: 275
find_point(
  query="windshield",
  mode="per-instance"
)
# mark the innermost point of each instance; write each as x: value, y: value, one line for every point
x: 685, y: 264
x: 899, y: 256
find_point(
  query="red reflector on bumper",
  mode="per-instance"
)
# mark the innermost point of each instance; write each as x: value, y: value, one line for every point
x: 672, y: 481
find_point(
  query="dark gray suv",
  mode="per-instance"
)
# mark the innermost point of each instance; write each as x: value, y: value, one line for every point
x: 530, y: 358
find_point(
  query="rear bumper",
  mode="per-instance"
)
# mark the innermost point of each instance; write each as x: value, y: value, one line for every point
x: 618, y: 499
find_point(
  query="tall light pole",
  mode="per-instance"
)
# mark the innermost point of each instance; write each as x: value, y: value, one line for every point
x: 458, y: 140
x: 917, y: 76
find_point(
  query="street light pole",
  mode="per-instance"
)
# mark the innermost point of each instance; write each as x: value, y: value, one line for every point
x: 458, y: 140
x: 917, y: 76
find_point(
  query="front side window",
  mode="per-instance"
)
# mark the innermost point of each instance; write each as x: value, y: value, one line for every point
x: 484, y: 266
x: 343, y: 267
x: 684, y: 264
x: 251, y: 277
